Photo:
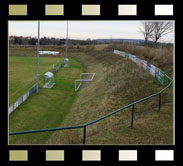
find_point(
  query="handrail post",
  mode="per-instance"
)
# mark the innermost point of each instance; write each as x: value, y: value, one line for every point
x: 159, y: 102
x: 169, y: 83
x: 132, y: 116
x: 84, y: 134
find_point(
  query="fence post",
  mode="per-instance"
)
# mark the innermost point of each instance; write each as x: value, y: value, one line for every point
x: 84, y: 134
x: 132, y: 116
x: 159, y: 102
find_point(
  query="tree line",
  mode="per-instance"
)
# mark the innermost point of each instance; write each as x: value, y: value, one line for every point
x: 20, y: 40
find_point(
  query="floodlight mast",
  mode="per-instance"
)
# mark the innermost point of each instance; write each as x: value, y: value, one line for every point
x: 38, y: 49
x: 67, y: 41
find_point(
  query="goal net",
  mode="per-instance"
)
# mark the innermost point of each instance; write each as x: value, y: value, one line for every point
x: 88, y: 77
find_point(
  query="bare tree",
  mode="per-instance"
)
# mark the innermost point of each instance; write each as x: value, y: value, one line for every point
x: 161, y: 29
x: 147, y: 29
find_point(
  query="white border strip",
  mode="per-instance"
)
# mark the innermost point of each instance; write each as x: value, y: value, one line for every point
x: 127, y: 155
x: 91, y: 155
x: 163, y: 10
x: 164, y: 155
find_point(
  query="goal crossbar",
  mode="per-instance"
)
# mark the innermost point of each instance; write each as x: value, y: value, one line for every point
x: 83, y: 80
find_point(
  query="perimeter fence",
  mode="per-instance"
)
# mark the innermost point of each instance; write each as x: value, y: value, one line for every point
x: 132, y: 105
x: 24, y: 97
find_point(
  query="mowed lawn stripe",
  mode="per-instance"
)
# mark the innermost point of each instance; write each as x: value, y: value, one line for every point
x: 46, y: 109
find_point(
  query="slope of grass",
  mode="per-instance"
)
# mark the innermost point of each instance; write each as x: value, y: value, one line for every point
x: 161, y: 57
x: 118, y: 82
x: 46, y: 109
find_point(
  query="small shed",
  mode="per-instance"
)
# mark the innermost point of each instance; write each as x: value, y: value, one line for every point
x: 49, y: 80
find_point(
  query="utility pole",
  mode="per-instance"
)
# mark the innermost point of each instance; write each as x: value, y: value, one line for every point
x: 67, y: 42
x: 38, y: 49
x: 66, y: 61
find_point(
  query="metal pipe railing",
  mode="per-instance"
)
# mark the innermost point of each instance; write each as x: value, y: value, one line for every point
x: 99, y: 119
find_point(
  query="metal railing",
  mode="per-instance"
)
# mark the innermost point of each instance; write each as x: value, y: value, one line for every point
x: 84, y: 126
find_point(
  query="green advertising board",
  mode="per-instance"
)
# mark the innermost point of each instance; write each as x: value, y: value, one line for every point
x: 161, y: 76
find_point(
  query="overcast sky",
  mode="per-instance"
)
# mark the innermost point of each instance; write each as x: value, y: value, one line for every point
x: 82, y: 29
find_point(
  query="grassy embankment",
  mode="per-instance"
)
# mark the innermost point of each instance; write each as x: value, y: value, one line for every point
x: 117, y: 83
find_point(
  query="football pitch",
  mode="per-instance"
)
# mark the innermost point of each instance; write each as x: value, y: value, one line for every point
x: 45, y: 109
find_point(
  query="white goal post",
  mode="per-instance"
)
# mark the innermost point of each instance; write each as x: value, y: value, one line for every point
x: 83, y: 80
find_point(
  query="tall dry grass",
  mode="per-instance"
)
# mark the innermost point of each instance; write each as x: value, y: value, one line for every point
x: 161, y: 57
x: 118, y: 82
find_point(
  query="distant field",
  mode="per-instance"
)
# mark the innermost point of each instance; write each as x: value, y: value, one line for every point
x: 117, y: 83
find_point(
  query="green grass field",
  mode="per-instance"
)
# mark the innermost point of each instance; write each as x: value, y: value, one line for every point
x: 117, y: 82
x: 47, y: 108
x: 22, y: 73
